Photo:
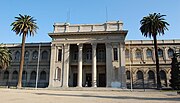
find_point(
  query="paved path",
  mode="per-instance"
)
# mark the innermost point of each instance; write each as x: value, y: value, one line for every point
x: 59, y: 96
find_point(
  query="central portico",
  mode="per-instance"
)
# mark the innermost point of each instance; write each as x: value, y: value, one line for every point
x: 88, y: 55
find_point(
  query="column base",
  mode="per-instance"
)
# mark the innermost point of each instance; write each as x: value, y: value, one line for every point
x: 95, y: 86
x: 79, y: 86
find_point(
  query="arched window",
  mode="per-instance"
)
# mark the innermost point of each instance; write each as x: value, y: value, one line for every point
x: 151, y: 75
x: 33, y: 75
x: 139, y: 75
x: 15, y: 75
x: 6, y: 75
x: 101, y: 55
x: 138, y: 54
x: 128, y: 74
x: 26, y: 57
x: 35, y: 55
x: 24, y: 75
x: 163, y: 75
x: 160, y: 52
x: 89, y: 54
x: 149, y: 53
x: 17, y: 55
x: 43, y: 75
x: 44, y: 55
x: 170, y: 53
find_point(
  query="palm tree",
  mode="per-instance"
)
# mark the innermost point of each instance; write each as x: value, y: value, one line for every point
x: 23, y: 25
x: 5, y: 57
x: 151, y: 26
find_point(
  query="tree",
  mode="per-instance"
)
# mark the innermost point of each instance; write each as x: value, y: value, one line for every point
x: 151, y: 26
x: 175, y: 72
x: 23, y: 25
x: 5, y: 57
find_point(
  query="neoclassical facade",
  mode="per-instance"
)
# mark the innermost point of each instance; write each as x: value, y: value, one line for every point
x: 88, y: 55
x: 91, y: 55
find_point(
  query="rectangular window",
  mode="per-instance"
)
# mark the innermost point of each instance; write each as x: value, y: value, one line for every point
x: 115, y: 52
x: 59, y: 54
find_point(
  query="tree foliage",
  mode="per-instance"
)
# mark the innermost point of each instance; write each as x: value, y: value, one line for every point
x: 5, y: 57
x: 23, y: 25
x: 175, y: 72
x: 151, y: 26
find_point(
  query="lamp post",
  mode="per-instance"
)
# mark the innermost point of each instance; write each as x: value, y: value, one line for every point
x: 37, y: 71
x: 26, y: 62
x: 131, y: 76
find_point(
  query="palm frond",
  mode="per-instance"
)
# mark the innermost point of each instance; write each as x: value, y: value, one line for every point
x: 153, y: 24
x: 24, y: 25
x: 5, y: 57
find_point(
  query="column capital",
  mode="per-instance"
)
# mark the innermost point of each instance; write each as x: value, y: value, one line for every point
x: 53, y: 46
x: 66, y: 45
x: 94, y: 45
x: 108, y: 45
x: 80, y: 45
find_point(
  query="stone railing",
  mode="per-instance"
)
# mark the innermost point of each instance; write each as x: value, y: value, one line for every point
x: 108, y: 26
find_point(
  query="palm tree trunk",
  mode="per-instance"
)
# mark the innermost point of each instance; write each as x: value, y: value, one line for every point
x: 157, y: 63
x: 19, y: 85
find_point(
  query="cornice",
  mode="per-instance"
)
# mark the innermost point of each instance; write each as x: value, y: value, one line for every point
x: 121, y: 32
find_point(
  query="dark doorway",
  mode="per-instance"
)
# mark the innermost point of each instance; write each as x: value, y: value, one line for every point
x: 102, y: 80
x: 74, y: 79
x: 88, y: 82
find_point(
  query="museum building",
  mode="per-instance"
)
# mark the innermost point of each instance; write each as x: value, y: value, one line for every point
x: 91, y: 55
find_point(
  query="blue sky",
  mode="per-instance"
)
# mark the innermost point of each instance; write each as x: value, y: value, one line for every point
x: 87, y: 12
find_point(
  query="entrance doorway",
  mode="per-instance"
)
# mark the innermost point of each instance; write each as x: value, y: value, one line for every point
x: 102, y: 80
x: 74, y: 79
x: 88, y: 82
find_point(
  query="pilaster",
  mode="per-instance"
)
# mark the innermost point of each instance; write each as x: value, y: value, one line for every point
x: 52, y: 64
x: 144, y: 58
x: 122, y: 65
x: 166, y: 53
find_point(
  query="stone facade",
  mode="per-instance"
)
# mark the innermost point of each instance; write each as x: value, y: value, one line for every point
x: 141, y: 64
x: 91, y: 55
x: 9, y: 77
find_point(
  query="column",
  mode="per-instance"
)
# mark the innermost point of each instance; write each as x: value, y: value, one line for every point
x: 80, y: 47
x: 109, y: 65
x: 94, y: 68
x: 66, y: 65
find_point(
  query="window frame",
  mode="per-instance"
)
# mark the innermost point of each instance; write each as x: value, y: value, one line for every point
x: 160, y: 53
x: 149, y: 55
x: 115, y: 54
x: 138, y: 54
